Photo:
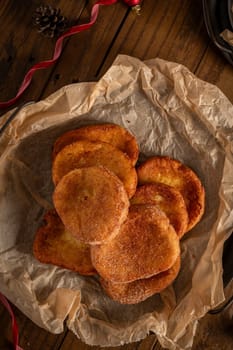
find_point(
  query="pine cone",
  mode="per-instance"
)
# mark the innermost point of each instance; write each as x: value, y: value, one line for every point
x: 49, y: 21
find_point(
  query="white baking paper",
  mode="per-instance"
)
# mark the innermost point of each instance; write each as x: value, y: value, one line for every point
x: 171, y: 112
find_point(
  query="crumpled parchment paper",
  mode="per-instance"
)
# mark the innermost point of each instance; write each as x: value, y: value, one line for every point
x: 171, y: 112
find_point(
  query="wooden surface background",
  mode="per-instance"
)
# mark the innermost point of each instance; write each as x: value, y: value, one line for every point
x: 170, y: 29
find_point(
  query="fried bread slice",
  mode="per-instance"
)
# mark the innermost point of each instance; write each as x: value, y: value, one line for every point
x: 173, y: 173
x: 86, y: 153
x: 53, y: 244
x: 92, y: 203
x: 114, y: 134
x: 168, y: 199
x: 146, y: 245
x: 139, y: 290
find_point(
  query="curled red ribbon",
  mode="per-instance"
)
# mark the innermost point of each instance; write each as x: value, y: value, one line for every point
x: 59, y: 44
x: 13, y: 322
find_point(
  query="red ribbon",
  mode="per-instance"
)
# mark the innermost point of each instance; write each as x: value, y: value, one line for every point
x: 58, y: 47
x: 13, y: 322
x: 132, y: 3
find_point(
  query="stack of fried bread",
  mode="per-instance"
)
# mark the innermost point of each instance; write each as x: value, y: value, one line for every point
x: 113, y: 219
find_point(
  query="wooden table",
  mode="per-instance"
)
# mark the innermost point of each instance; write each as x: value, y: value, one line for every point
x: 170, y: 29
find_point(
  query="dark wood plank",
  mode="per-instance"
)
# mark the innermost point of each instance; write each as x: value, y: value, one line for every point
x: 215, y: 69
x: 173, y: 30
x: 148, y: 343
x: 22, y: 46
x: 175, y: 35
x: 85, y: 53
x: 214, y: 332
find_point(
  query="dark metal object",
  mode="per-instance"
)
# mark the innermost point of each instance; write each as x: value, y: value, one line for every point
x: 218, y: 17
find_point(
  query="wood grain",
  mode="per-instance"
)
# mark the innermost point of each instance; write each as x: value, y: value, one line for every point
x: 22, y: 46
x: 173, y: 30
x: 86, y: 51
x: 216, y: 70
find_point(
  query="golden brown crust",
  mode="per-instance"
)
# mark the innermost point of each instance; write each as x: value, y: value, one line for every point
x: 139, y: 290
x: 92, y: 203
x: 114, y: 134
x: 53, y: 244
x: 168, y: 199
x: 86, y: 153
x: 146, y: 245
x: 173, y: 173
